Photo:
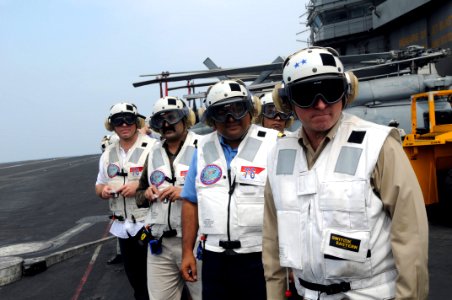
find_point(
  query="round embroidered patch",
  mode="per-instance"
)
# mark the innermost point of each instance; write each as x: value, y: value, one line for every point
x: 157, y: 178
x: 112, y: 170
x: 210, y: 174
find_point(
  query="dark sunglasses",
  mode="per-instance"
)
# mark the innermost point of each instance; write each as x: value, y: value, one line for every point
x: 171, y: 117
x: 269, y: 111
x: 118, y: 120
x: 304, y: 94
x: 237, y: 110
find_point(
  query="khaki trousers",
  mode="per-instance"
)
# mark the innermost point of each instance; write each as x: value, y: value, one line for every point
x: 163, y: 273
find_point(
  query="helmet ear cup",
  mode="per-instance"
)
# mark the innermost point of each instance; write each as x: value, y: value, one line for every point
x: 281, y: 102
x: 140, y: 122
x: 257, y: 107
x: 353, y: 87
x: 108, y: 125
x: 289, y: 122
x: 191, y: 118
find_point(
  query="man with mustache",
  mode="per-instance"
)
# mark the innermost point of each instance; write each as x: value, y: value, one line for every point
x: 160, y: 187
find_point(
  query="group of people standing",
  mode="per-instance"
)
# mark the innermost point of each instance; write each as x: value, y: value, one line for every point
x: 333, y: 207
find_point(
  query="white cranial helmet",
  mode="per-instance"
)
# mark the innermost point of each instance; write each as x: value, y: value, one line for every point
x: 168, y: 103
x: 227, y: 91
x: 311, y: 62
x: 124, y: 107
x: 267, y: 98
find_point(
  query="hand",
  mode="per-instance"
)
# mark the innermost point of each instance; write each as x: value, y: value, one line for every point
x: 171, y: 193
x: 188, y: 268
x: 128, y: 189
x: 106, y: 192
x: 151, y: 193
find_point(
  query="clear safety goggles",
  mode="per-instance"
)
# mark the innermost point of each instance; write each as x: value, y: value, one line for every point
x: 305, y: 93
x: 269, y: 111
x: 237, y: 110
x: 119, y: 119
x: 170, y: 116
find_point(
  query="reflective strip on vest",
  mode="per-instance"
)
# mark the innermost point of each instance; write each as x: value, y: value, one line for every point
x: 113, y: 156
x: 187, y: 157
x: 348, y: 160
x: 286, y: 161
x: 250, y: 149
x: 135, y: 157
x: 210, y: 153
x: 157, y: 159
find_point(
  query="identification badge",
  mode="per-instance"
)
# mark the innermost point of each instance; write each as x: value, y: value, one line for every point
x: 157, y: 178
x: 210, y: 174
x: 112, y: 170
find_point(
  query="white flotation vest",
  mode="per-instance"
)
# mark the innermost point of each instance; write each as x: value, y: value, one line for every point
x: 120, y: 173
x: 231, y: 203
x: 331, y: 225
x: 166, y: 215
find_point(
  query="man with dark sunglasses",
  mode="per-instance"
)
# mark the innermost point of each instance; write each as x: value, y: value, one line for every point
x: 271, y: 117
x: 343, y: 207
x: 120, y: 169
x: 223, y: 197
x: 160, y: 186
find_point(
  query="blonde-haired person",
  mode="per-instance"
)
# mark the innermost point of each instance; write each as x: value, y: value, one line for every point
x: 271, y: 117
x: 120, y: 168
x: 159, y: 190
x: 343, y: 207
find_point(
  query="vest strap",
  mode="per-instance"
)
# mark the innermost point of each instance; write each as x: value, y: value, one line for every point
x: 382, y: 278
x: 329, y: 289
x: 115, y: 217
x: 230, y: 244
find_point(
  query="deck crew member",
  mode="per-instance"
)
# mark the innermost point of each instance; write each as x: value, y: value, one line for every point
x: 271, y: 117
x: 159, y: 189
x: 120, y: 169
x: 343, y: 207
x: 223, y: 193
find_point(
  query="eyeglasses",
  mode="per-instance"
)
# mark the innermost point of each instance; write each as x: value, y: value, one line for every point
x: 171, y: 117
x: 269, y: 111
x: 119, y: 119
x: 237, y: 110
x: 305, y: 93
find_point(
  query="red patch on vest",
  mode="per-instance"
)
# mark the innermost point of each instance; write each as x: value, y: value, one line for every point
x: 136, y: 170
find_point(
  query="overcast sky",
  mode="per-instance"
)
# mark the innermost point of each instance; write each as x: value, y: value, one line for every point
x: 63, y: 63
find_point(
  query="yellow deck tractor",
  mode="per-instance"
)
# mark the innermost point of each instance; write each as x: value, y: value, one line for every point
x: 429, y: 145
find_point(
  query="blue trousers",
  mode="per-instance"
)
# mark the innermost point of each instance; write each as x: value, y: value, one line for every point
x: 239, y: 276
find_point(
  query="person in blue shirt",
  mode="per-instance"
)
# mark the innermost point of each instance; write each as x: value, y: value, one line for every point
x: 224, y: 196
